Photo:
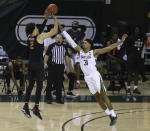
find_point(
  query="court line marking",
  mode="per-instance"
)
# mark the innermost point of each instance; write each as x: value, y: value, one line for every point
x: 65, y: 123
x: 84, y: 124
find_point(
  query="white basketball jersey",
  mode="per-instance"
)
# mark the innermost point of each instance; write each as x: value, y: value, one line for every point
x: 87, y: 62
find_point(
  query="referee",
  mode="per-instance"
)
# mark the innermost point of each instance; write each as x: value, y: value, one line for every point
x: 54, y: 59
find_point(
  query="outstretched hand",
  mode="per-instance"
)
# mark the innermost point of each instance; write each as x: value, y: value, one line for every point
x: 124, y: 37
x: 61, y: 27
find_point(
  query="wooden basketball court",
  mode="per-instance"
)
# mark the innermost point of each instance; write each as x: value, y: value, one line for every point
x: 75, y: 117
x: 80, y: 114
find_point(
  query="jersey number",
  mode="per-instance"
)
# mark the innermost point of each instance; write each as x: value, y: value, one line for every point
x: 85, y: 62
x: 31, y: 45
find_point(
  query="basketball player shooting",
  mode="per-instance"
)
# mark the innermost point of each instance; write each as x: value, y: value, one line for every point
x: 36, y: 64
x: 91, y: 75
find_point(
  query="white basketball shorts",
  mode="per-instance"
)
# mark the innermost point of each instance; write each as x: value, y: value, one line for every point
x: 95, y: 83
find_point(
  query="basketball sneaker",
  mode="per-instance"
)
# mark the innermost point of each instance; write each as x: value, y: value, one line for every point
x: 36, y: 112
x: 26, y: 111
x: 70, y: 95
x: 136, y: 91
x: 113, y: 120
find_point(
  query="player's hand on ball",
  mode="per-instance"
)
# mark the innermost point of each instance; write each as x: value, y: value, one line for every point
x: 52, y: 9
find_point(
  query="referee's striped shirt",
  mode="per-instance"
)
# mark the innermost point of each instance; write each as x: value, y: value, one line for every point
x: 57, y: 53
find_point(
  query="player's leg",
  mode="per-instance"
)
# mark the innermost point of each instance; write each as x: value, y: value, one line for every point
x: 113, y: 116
x: 129, y: 79
x: 71, y: 77
x: 106, y: 100
x: 131, y: 67
x: 94, y: 87
x: 21, y: 80
x: 35, y: 109
x: 103, y: 98
x: 7, y: 77
x: 101, y: 101
x: 50, y: 82
x: 25, y: 109
x: 136, y: 77
x: 78, y: 72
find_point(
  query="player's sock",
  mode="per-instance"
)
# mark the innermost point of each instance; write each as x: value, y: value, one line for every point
x: 107, y: 111
x: 112, y: 112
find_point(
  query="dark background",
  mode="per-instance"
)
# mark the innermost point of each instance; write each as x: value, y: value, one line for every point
x: 134, y: 12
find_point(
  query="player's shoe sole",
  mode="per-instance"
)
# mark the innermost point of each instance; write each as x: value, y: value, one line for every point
x: 27, y: 115
x: 113, y: 120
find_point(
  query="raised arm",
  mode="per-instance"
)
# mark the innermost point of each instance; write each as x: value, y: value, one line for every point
x: 52, y: 32
x: 109, y: 48
x: 69, y: 39
x: 41, y: 27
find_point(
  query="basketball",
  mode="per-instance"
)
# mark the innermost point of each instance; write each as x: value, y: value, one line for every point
x: 52, y: 9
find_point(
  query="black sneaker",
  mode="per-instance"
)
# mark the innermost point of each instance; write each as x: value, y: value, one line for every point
x: 26, y: 111
x: 36, y: 112
x: 70, y: 95
x: 113, y: 120
x: 128, y: 92
x: 136, y: 91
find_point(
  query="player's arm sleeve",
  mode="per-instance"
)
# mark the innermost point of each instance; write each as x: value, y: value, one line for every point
x: 53, y: 31
x: 69, y: 39
x: 41, y: 28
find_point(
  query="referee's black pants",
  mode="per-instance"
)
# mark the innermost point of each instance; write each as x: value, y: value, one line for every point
x: 55, y: 79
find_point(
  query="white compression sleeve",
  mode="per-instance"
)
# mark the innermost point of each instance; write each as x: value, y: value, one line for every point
x: 69, y: 39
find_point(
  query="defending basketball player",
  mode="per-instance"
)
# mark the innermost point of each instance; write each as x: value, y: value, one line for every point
x: 91, y: 75
x: 36, y: 64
